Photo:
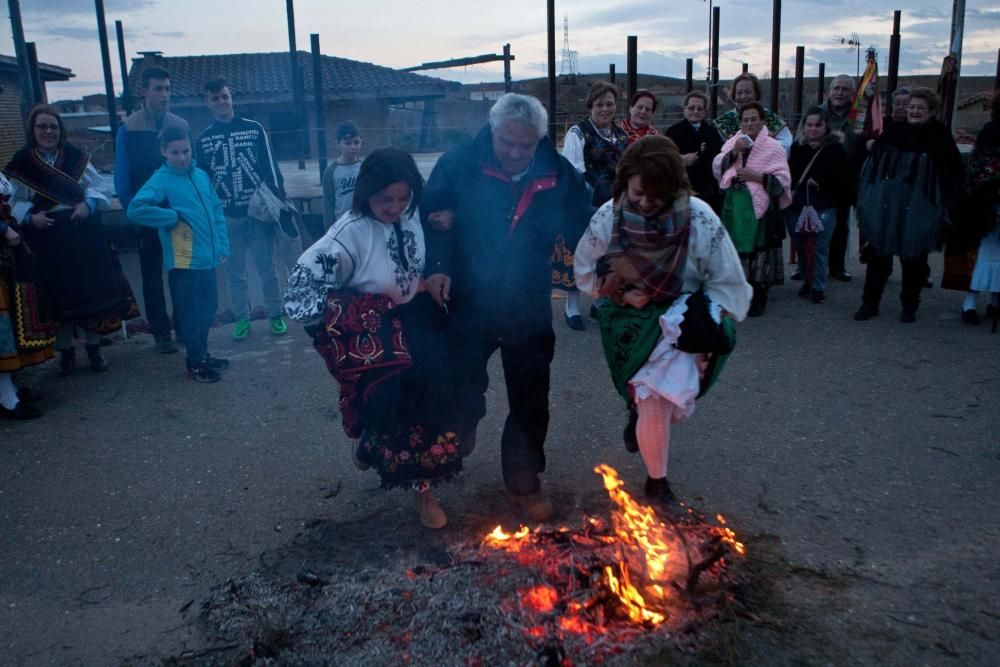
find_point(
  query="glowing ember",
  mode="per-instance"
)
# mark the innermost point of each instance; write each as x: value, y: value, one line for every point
x: 636, y: 571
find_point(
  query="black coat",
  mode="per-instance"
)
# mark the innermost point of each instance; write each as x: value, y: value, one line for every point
x: 831, y: 172
x: 498, y: 251
x: 690, y: 140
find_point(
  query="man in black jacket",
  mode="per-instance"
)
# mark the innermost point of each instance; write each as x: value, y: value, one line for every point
x: 492, y: 210
x: 237, y: 156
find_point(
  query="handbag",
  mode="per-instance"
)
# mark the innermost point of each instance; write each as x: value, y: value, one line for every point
x: 267, y: 205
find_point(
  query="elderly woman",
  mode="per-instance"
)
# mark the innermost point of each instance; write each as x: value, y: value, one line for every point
x: 908, y: 191
x: 593, y: 146
x: 699, y: 143
x: 820, y: 186
x: 753, y: 172
x: 673, y: 277
x: 56, y: 202
x: 746, y: 88
x: 26, y: 337
x: 641, y: 108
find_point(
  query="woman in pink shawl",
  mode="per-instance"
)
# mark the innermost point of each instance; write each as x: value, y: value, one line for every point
x: 753, y: 171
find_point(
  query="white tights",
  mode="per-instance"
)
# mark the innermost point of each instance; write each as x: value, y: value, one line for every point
x: 653, y: 433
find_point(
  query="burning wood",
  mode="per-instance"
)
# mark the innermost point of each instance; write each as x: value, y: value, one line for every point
x: 611, y: 591
x: 603, y: 583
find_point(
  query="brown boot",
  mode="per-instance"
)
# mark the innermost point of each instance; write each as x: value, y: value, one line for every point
x: 534, y: 506
x: 431, y: 514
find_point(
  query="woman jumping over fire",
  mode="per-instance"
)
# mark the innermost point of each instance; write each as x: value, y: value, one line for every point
x: 359, y: 290
x: 674, y: 278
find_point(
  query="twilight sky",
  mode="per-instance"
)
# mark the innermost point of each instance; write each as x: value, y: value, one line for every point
x: 400, y: 33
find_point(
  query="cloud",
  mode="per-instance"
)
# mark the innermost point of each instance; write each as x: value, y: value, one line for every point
x: 64, y: 8
x: 81, y: 33
x: 176, y: 34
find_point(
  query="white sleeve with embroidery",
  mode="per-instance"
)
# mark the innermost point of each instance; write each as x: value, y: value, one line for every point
x: 573, y: 148
x: 326, y: 265
x: 592, y: 246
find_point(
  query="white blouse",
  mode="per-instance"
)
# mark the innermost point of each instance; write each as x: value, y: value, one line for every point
x: 359, y: 253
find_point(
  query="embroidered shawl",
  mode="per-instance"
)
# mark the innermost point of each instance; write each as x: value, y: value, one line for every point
x: 766, y: 156
x: 53, y: 184
x: 729, y: 124
x: 634, y: 134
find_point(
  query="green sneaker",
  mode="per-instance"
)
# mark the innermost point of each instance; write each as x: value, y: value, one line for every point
x: 278, y: 326
x: 242, y: 329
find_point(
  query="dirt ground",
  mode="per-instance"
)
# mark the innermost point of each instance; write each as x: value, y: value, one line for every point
x: 858, y: 460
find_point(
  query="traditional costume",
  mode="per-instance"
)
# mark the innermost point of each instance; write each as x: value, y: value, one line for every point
x: 908, y: 191
x: 26, y: 330
x: 594, y: 152
x: 664, y: 355
x: 79, y: 271
x: 751, y: 210
x: 357, y: 290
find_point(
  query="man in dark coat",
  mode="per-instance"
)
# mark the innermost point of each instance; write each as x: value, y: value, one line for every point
x: 492, y: 210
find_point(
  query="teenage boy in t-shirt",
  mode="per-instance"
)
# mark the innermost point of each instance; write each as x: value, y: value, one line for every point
x: 340, y: 177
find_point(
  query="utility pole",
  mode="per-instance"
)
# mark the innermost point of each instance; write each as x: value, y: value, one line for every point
x: 957, y: 30
x: 297, y: 96
x: 21, y: 52
x: 109, y: 84
x: 775, y: 54
x: 317, y: 65
x: 126, y: 98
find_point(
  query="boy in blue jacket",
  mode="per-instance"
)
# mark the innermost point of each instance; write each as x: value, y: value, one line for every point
x: 178, y: 200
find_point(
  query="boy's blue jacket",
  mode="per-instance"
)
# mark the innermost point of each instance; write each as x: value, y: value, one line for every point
x: 182, y: 205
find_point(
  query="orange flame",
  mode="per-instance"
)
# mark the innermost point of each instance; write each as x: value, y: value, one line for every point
x: 500, y: 538
x: 540, y: 598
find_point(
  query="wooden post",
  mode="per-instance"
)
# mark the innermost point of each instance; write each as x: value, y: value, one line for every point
x: 611, y: 73
x: 297, y: 94
x: 800, y: 65
x: 713, y: 97
x: 688, y: 75
x: 894, y: 41
x: 746, y: 67
x: 507, y: 83
x: 996, y: 80
x: 632, y: 65
x: 126, y: 96
x: 957, y: 36
x: 109, y: 85
x: 36, y: 78
x: 775, y: 55
x: 821, y: 90
x: 21, y: 52
x: 551, y: 11
x: 320, y: 102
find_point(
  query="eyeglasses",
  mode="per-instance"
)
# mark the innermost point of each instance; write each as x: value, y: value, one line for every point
x: 52, y: 127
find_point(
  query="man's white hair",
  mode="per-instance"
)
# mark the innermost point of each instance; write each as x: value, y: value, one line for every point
x: 846, y: 77
x: 521, y: 108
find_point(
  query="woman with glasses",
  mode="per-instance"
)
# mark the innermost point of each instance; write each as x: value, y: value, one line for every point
x: 57, y: 199
x: 593, y: 146
x: 699, y: 142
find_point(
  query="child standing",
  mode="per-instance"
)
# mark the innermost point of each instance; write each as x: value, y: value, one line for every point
x: 179, y: 201
x: 340, y: 177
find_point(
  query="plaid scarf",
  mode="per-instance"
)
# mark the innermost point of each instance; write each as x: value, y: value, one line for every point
x: 647, y: 253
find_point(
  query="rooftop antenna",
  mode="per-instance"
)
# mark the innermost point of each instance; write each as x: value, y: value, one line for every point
x: 853, y: 43
x: 568, y: 66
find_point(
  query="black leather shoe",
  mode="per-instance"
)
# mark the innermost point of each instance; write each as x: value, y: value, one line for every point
x: 98, y: 363
x: 842, y: 276
x: 866, y: 312
x: 628, y: 435
x: 20, y: 412
x: 67, y: 361
x: 796, y: 274
x: 817, y: 296
x: 575, y: 323
x: 659, y: 489
x: 970, y: 316
x: 909, y: 315
x: 27, y: 395
x: 804, y: 291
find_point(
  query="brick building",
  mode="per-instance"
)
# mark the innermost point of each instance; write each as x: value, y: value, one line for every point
x: 11, y: 119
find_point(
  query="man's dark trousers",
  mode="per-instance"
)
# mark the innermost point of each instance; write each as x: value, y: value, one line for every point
x: 526, y: 362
